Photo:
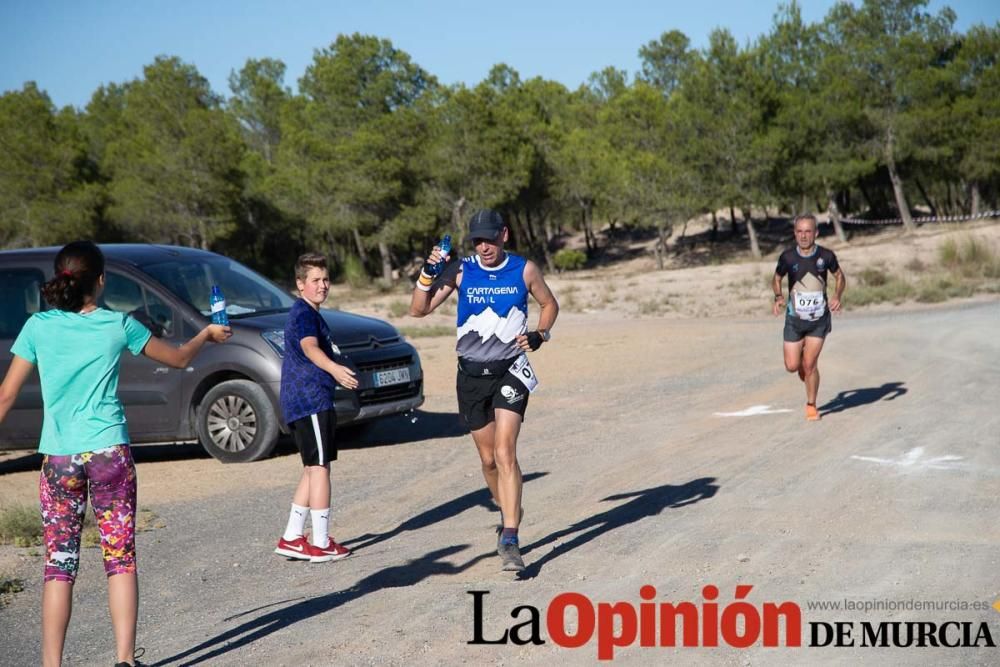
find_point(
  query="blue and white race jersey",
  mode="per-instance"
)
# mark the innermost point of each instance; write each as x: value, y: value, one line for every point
x: 492, y: 309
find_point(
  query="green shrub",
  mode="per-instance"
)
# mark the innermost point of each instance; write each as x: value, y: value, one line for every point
x: 354, y: 273
x: 8, y: 587
x: 569, y: 260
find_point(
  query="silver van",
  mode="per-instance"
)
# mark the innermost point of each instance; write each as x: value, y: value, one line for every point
x: 228, y: 398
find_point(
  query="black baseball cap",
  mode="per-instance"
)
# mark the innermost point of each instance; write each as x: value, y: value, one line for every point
x: 486, y: 224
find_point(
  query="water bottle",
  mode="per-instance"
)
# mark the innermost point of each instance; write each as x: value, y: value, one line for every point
x: 217, y: 303
x: 445, y: 247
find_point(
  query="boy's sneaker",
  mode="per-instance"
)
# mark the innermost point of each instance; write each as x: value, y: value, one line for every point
x: 510, y: 557
x: 332, y: 551
x: 297, y: 549
x: 812, y: 414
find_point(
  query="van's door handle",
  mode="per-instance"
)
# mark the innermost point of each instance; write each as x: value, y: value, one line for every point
x: 161, y: 370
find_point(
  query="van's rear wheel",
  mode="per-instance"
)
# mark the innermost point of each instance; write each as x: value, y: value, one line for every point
x: 236, y: 422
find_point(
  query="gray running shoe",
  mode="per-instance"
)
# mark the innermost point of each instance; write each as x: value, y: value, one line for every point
x: 510, y: 558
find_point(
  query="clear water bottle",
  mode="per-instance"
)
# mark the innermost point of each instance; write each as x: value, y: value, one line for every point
x: 445, y: 246
x: 217, y: 302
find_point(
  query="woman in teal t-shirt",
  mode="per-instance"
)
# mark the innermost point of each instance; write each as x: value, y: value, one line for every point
x: 77, y: 346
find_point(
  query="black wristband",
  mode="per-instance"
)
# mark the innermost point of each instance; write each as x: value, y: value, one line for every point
x: 535, y: 340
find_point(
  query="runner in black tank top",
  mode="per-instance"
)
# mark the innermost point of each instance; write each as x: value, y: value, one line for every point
x: 808, y: 307
x: 494, y: 376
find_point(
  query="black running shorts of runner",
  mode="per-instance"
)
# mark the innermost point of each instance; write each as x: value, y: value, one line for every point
x: 485, y: 387
x: 796, y: 328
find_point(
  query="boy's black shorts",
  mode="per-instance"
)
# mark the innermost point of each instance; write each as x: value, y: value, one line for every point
x: 484, y: 387
x: 314, y: 438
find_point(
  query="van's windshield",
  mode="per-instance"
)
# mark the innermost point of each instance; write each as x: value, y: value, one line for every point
x: 246, y: 292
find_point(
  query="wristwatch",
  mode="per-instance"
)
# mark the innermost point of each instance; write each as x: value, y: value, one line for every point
x: 546, y: 335
x: 779, y: 297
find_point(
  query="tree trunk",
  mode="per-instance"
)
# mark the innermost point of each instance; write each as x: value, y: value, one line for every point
x: 923, y: 193
x: 732, y: 221
x: 664, y: 232
x: 588, y: 236
x: 897, y: 183
x: 974, y: 198
x: 550, y: 265
x: 520, y: 234
x: 383, y: 250
x: 456, y: 218
x: 529, y: 227
x: 867, y: 197
x: 714, y: 235
x: 362, y: 253
x: 834, y: 211
x: 202, y: 234
x: 752, y: 233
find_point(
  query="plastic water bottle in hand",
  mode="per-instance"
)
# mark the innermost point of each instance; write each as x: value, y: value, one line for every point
x: 445, y: 247
x: 217, y: 302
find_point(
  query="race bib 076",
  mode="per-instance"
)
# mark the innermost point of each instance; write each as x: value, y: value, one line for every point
x: 809, y: 305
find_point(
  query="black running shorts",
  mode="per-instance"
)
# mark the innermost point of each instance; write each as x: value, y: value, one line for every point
x: 482, y: 388
x: 314, y: 438
x: 796, y: 329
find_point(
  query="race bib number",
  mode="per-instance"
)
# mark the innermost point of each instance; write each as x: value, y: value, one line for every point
x: 522, y: 370
x: 810, y: 305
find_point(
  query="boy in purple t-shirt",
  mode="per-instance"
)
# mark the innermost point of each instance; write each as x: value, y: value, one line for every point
x: 309, y: 377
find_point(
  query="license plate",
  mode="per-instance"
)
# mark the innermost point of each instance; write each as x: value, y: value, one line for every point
x: 395, y: 376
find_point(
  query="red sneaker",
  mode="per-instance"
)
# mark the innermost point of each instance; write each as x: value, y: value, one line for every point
x: 332, y: 551
x: 298, y: 548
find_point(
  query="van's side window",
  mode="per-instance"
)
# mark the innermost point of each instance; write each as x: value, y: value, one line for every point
x: 127, y: 296
x: 20, y: 298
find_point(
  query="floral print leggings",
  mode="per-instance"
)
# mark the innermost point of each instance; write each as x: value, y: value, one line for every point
x: 63, y: 494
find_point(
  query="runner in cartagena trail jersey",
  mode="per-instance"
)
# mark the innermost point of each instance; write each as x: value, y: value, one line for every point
x: 809, y: 307
x: 494, y: 376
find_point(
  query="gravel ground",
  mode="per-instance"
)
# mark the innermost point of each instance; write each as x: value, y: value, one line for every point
x: 633, y: 479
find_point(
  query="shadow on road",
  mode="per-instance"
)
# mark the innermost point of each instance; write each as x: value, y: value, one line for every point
x: 20, y: 462
x: 141, y: 453
x: 409, y: 427
x: 435, y: 514
x: 398, y: 576
x: 396, y: 430
x: 643, y: 504
x: 854, y: 398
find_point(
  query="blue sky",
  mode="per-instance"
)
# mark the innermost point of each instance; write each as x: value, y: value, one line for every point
x: 71, y: 47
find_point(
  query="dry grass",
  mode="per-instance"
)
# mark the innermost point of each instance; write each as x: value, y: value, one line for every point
x: 964, y: 267
x: 427, y: 332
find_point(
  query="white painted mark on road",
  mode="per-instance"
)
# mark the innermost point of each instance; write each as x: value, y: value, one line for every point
x: 753, y: 411
x: 914, y: 460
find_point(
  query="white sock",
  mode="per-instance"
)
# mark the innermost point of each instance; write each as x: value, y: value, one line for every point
x: 296, y: 522
x: 321, y: 526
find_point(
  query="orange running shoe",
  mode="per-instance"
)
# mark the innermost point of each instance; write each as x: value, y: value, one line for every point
x: 812, y: 414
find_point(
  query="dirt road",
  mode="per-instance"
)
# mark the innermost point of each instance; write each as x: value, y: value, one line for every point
x: 633, y: 479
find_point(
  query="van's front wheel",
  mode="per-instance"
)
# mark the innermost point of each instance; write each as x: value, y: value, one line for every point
x: 236, y: 422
